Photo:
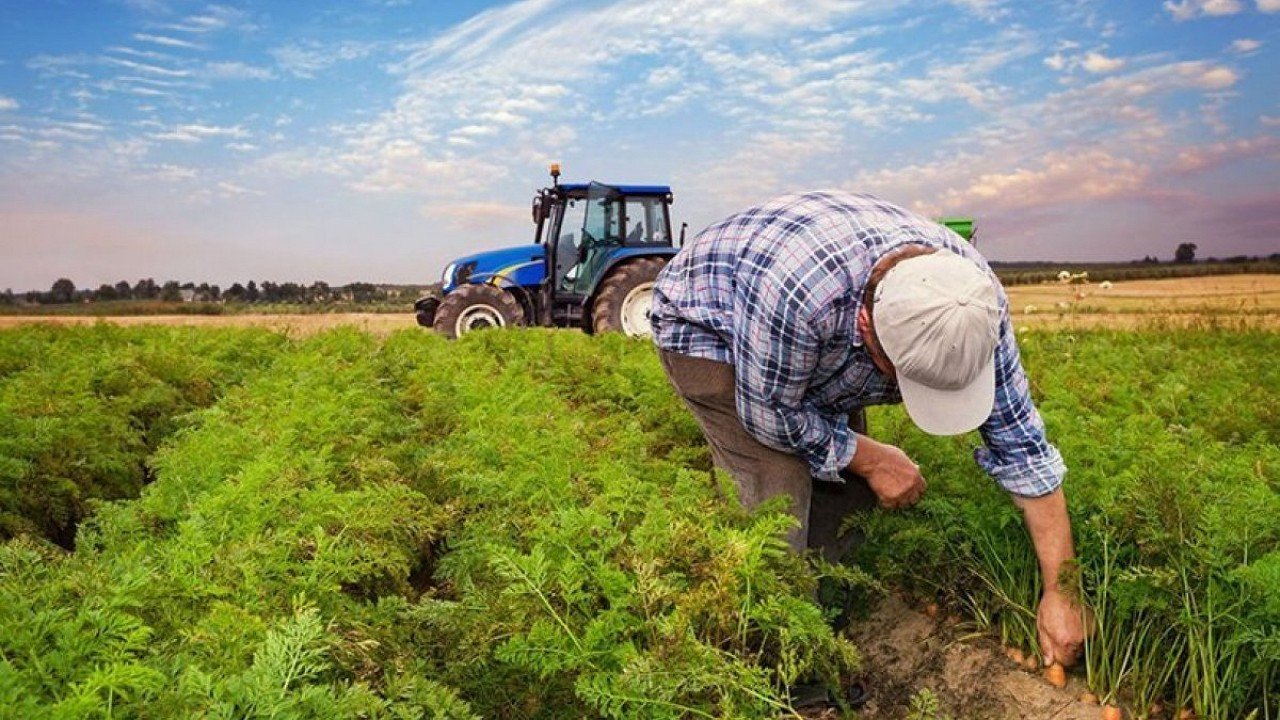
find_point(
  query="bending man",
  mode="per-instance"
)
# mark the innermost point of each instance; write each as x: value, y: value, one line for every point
x: 777, y: 323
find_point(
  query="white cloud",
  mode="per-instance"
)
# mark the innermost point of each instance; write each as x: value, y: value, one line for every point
x: 1269, y: 6
x: 212, y: 19
x: 145, y: 67
x: 230, y: 189
x: 236, y: 70
x: 8, y: 103
x: 194, y: 133
x: 171, y: 173
x: 1209, y: 156
x: 1098, y: 63
x: 304, y: 60
x: 1188, y: 9
x: 1269, y: 120
x: 167, y: 41
x: 985, y: 9
x: 1245, y: 46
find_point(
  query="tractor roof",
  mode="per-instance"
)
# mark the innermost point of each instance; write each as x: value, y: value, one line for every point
x: 657, y: 190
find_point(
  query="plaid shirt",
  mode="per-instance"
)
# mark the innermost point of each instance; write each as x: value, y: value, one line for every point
x: 775, y: 290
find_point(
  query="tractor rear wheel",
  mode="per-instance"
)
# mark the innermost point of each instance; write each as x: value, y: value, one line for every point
x: 472, y: 307
x: 626, y: 297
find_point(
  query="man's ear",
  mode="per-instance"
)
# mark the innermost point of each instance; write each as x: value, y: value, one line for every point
x: 864, y: 321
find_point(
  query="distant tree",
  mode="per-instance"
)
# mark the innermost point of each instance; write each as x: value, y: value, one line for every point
x: 106, y: 292
x: 270, y: 291
x: 1186, y: 253
x: 215, y: 292
x: 171, y: 292
x: 63, y: 291
x: 251, y: 293
x: 361, y: 291
x: 146, y: 290
x: 123, y: 291
x: 318, y: 292
x: 235, y: 293
x: 7, y: 298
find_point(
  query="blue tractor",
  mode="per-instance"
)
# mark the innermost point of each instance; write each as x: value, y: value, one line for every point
x: 597, y: 251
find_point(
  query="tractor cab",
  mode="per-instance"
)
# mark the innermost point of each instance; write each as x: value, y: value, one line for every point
x: 587, y: 229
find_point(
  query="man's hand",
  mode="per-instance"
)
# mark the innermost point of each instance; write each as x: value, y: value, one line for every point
x: 1061, y: 626
x: 890, y: 474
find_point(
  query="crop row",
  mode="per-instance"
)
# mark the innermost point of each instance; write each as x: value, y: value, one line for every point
x: 81, y: 410
x: 386, y: 530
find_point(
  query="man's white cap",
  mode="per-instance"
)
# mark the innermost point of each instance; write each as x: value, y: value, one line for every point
x: 937, y: 317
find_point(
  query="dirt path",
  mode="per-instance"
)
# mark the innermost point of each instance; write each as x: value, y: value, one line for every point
x: 905, y: 652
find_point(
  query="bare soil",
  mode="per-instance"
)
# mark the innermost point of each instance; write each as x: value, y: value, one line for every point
x: 904, y: 652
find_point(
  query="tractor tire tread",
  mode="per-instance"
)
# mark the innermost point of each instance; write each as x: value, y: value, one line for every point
x: 451, y: 307
x: 606, y: 313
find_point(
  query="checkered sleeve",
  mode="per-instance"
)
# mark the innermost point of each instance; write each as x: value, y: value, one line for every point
x: 1016, y: 453
x: 777, y: 341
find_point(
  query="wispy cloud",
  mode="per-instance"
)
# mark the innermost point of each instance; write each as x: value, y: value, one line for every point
x: 1245, y: 46
x: 1188, y: 9
x: 306, y: 59
x: 145, y: 67
x: 212, y: 19
x: 167, y: 41
x: 236, y: 70
x: 195, y: 132
x: 1204, y: 157
x: 7, y: 103
x: 1098, y: 63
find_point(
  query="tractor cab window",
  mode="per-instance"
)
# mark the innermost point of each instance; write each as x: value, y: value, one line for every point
x: 647, y: 222
x: 572, y: 223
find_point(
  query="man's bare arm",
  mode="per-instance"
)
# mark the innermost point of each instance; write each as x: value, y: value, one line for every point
x: 1060, y: 620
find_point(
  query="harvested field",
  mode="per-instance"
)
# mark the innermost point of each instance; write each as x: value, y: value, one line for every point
x: 1233, y: 301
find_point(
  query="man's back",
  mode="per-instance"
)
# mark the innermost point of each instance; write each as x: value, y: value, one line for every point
x: 812, y: 252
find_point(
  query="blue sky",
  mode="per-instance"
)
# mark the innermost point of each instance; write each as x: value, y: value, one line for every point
x: 368, y: 140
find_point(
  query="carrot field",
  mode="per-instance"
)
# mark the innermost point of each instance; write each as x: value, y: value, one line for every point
x: 236, y: 522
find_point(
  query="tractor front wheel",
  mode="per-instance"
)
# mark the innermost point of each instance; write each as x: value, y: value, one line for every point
x: 472, y: 307
x: 626, y: 297
x: 425, y: 311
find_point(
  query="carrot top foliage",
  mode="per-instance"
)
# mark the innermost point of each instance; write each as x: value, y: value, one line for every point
x: 522, y: 524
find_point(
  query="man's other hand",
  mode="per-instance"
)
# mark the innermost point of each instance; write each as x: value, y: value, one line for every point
x: 890, y: 474
x: 1061, y: 625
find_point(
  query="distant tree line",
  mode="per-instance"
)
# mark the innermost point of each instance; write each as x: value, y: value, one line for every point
x: 64, y: 291
x: 1149, y: 268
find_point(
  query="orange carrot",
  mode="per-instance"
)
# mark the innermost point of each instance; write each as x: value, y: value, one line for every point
x: 1056, y: 676
x: 1111, y: 712
x: 1015, y: 655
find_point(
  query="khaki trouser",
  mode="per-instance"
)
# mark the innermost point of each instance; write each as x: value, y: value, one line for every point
x: 760, y: 472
